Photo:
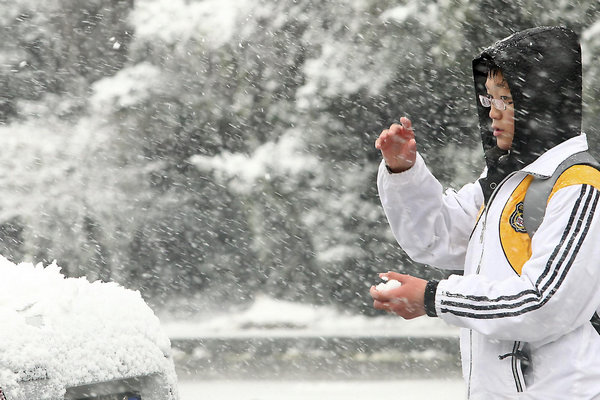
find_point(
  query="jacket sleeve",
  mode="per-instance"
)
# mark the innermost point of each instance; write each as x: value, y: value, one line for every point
x: 431, y: 226
x: 559, y: 287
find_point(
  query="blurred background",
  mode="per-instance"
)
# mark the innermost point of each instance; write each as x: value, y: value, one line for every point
x: 211, y: 152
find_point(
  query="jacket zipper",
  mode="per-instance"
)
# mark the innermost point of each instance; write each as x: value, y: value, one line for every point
x: 481, y: 235
x: 470, y: 363
x: 517, y: 357
x: 515, y: 367
x: 485, y: 215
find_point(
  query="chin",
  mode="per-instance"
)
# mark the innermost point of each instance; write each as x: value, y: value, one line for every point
x: 503, y: 144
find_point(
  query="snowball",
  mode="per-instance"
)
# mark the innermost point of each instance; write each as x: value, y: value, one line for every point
x: 389, y: 285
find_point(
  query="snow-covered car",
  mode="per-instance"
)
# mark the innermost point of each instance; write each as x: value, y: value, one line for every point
x: 71, y: 339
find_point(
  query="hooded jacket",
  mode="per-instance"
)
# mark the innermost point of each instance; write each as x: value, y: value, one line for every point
x: 524, y: 304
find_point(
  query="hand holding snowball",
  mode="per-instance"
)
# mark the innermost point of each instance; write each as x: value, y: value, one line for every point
x: 405, y: 298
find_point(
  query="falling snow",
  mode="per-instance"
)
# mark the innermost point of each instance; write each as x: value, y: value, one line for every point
x: 216, y: 157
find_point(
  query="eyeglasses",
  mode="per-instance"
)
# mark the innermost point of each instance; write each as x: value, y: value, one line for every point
x: 487, y: 101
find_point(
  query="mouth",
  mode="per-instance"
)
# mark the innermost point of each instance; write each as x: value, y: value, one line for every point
x: 497, y: 131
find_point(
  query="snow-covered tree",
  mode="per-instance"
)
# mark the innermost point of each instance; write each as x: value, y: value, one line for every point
x: 215, y: 149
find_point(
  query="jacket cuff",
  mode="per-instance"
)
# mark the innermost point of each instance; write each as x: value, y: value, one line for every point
x: 429, y: 300
x: 413, y: 173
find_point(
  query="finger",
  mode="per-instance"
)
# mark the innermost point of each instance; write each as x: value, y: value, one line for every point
x: 412, y: 147
x: 401, y: 133
x: 383, y: 137
x: 380, y: 141
x: 388, y: 307
x: 377, y: 295
x: 395, y: 276
x: 406, y: 123
x: 380, y: 305
x: 396, y: 130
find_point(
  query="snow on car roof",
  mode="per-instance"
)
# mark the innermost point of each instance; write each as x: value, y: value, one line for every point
x: 71, y: 331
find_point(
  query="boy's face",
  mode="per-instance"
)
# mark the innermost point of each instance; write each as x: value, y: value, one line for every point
x: 503, y: 121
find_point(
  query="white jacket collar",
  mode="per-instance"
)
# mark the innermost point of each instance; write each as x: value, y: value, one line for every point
x: 546, y: 164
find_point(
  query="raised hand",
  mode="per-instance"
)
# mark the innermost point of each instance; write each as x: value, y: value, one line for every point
x: 398, y: 146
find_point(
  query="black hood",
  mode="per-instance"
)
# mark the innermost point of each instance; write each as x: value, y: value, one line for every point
x: 543, y: 69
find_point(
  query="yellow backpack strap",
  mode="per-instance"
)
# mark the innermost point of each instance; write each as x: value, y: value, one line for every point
x: 577, y: 175
x: 582, y: 168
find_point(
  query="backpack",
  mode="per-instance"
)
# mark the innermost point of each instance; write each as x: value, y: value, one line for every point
x: 536, y: 198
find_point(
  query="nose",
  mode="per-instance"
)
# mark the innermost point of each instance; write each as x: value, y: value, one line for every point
x: 495, y: 113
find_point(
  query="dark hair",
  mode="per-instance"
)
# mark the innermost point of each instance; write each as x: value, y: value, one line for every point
x: 483, y: 68
x: 491, y: 67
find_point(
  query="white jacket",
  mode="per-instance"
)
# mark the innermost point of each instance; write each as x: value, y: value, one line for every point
x: 517, y: 296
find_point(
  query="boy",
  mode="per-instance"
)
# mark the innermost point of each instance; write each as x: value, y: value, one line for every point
x: 524, y: 303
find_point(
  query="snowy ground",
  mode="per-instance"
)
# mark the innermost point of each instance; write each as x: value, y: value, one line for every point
x: 332, y: 390
x: 269, y: 318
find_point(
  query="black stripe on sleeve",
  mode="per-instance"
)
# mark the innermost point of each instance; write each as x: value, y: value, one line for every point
x: 537, y: 297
